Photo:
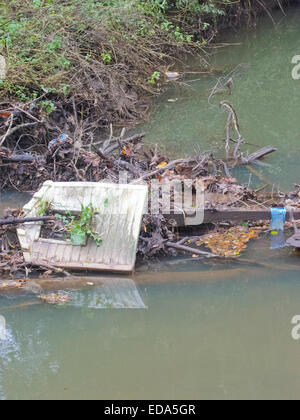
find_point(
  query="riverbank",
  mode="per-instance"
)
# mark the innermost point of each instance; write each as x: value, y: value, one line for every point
x: 35, y: 113
x: 81, y: 67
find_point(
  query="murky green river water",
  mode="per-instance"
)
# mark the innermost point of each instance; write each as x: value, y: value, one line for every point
x: 264, y: 95
x: 195, y: 330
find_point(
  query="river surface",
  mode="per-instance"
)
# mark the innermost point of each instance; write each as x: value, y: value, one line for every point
x: 199, y: 329
x: 264, y: 96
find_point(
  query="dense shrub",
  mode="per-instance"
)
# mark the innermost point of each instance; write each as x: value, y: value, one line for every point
x: 103, y: 55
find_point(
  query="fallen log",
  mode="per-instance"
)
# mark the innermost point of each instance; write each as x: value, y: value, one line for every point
x: 259, y: 154
x: 21, y: 220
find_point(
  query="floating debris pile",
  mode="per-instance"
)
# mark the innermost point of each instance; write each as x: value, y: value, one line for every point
x: 229, y: 243
x: 26, y: 164
x: 55, y: 298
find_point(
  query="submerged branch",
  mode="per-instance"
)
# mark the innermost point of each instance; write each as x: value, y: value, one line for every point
x: 18, y: 221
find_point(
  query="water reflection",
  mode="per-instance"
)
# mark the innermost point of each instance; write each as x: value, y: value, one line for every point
x: 89, y: 292
x: 38, y: 336
x: 22, y: 353
x: 113, y: 293
x: 2, y: 328
x: 211, y: 334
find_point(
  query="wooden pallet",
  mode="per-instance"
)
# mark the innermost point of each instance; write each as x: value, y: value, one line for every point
x: 118, y: 219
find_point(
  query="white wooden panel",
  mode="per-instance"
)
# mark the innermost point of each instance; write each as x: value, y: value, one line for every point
x: 119, y: 211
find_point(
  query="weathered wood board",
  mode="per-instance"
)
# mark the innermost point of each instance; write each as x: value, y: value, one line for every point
x: 229, y: 215
x: 119, y: 211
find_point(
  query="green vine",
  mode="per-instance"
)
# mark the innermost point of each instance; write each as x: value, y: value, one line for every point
x: 81, y: 226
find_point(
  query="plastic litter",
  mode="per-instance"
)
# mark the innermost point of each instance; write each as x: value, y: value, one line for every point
x: 172, y: 75
x: 61, y: 139
x: 278, y: 215
x: 278, y: 240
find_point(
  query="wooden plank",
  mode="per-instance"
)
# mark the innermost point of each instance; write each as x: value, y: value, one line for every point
x: 42, y: 249
x: 75, y: 254
x: 231, y: 215
x: 60, y: 252
x: 54, y: 241
x: 36, y: 249
x: 240, y: 215
x: 51, y: 254
x: 83, y: 253
x: 68, y: 252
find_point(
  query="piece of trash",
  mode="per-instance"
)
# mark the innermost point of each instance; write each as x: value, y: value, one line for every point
x: 61, y: 139
x: 173, y: 100
x: 94, y: 204
x: 90, y: 284
x: 161, y: 165
x: 278, y: 217
x: 5, y: 114
x: 172, y: 75
x: 278, y: 240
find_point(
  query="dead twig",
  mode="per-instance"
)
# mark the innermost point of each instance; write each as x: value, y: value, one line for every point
x: 189, y: 249
x: 18, y: 221
x: 232, y: 121
x: 123, y: 142
x: 170, y: 165
x: 8, y: 130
